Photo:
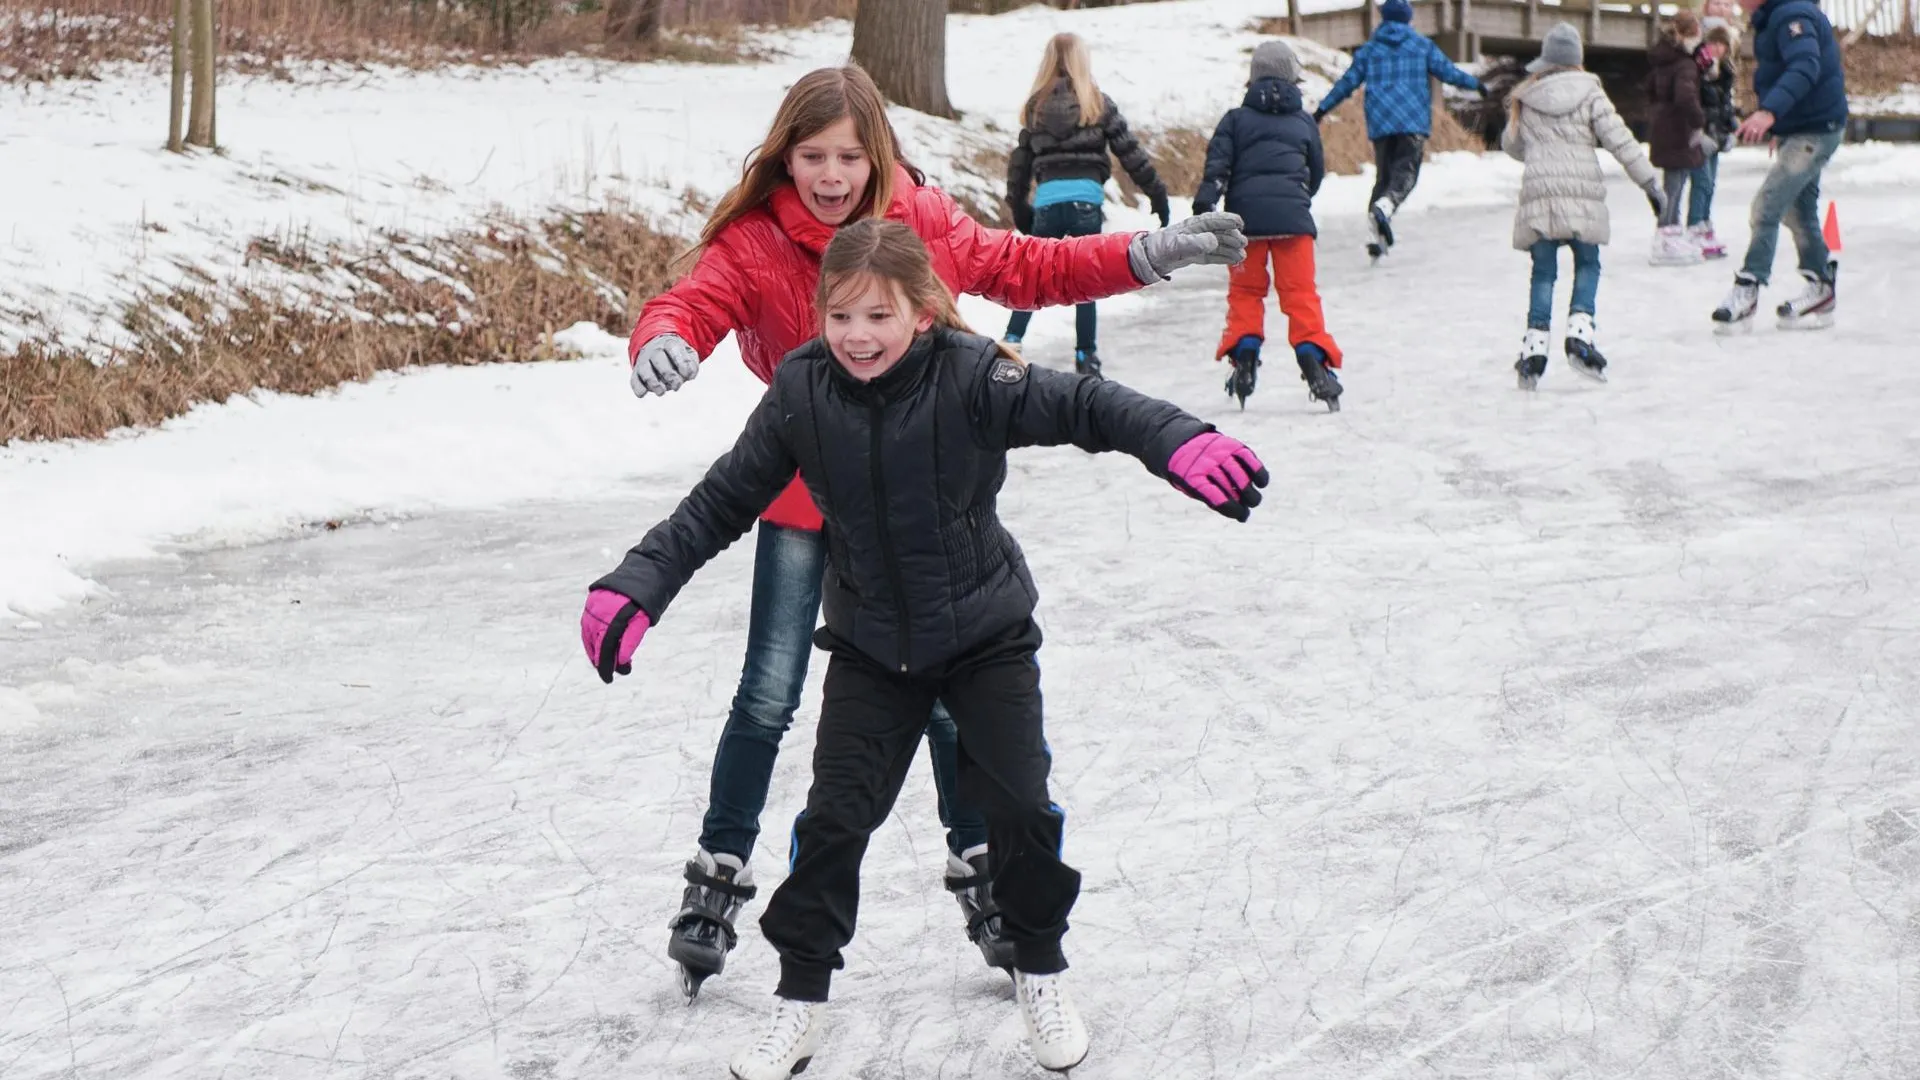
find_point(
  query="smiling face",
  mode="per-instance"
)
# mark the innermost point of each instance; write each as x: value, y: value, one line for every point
x: 831, y: 170
x: 869, y: 326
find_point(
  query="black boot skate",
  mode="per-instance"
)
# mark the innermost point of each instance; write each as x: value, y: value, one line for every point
x: 967, y: 880
x: 1087, y: 362
x: 1533, y: 359
x: 1322, y: 384
x: 718, y: 886
x: 1246, y: 369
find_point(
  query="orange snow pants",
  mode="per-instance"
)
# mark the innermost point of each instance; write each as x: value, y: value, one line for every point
x: 1293, y: 278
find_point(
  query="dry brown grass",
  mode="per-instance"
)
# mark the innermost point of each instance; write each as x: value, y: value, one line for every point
x: 51, y: 39
x: 1882, y: 65
x: 497, y: 292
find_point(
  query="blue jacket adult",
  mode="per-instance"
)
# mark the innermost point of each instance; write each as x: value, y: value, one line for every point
x: 1394, y: 65
x: 1267, y: 156
x: 1796, y: 74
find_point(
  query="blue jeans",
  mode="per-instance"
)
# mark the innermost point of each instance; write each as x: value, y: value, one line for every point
x: 1546, y: 270
x: 1700, y: 192
x: 1791, y: 194
x: 787, y: 568
x: 1058, y: 220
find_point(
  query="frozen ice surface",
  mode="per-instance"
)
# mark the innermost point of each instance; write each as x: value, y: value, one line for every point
x: 1568, y: 734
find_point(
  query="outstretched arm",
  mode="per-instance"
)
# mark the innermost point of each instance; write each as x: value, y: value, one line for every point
x: 1343, y: 87
x: 1443, y: 69
x: 718, y: 511
x: 715, y: 297
x: 1027, y: 273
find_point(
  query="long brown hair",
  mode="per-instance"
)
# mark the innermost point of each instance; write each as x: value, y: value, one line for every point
x: 893, y: 254
x: 820, y: 99
x: 1066, y: 58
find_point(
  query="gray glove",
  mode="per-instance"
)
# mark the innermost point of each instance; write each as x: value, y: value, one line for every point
x: 664, y: 363
x: 1210, y: 239
x: 1656, y: 197
x: 1706, y: 143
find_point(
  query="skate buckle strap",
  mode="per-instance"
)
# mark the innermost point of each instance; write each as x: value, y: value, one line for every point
x: 971, y: 881
x: 697, y: 876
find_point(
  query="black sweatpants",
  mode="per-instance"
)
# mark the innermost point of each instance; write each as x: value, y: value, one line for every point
x: 1396, y: 161
x: 870, y: 726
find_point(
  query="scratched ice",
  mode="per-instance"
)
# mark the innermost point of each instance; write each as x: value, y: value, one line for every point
x: 1568, y: 735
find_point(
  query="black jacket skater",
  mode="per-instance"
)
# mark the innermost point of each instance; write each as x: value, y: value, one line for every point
x: 1056, y: 146
x: 1267, y: 155
x: 906, y: 470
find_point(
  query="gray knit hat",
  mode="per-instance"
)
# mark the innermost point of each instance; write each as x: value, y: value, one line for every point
x: 1560, y: 49
x: 1274, y: 60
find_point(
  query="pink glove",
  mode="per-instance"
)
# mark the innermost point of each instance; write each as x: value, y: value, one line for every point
x: 1219, y: 471
x: 611, y: 628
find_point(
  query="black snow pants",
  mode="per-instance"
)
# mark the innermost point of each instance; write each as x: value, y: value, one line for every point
x: 1396, y: 161
x: 870, y: 725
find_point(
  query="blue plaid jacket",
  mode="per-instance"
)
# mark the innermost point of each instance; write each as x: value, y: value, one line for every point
x: 1394, y: 65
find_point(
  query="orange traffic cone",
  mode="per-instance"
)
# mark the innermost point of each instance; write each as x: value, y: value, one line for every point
x: 1830, y: 231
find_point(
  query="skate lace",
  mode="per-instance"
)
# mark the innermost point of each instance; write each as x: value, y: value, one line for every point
x: 790, y: 1019
x: 1047, y: 1002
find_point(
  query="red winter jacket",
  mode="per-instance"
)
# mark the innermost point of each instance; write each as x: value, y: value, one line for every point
x: 758, y: 278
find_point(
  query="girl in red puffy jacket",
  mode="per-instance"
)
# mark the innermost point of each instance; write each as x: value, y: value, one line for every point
x: 833, y: 158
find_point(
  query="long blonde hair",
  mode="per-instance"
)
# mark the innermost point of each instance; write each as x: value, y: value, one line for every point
x: 893, y: 254
x: 819, y: 100
x: 1066, y: 58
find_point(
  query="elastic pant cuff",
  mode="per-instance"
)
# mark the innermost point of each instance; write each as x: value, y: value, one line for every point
x: 1039, y: 957
x: 800, y: 982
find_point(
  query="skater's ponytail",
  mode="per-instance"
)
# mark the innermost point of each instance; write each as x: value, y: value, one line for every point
x: 887, y: 251
x: 820, y: 99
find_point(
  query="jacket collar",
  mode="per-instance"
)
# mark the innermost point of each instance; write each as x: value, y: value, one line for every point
x: 798, y: 223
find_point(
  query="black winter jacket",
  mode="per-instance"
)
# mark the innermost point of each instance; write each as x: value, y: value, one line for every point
x: 906, y: 469
x: 1267, y: 155
x: 1716, y: 97
x: 1056, y: 146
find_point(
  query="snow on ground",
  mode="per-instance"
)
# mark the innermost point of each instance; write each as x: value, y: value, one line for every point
x: 1904, y: 103
x: 92, y: 205
x: 1556, y: 735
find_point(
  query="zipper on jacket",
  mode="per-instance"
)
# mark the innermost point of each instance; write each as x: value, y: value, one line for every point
x: 886, y: 535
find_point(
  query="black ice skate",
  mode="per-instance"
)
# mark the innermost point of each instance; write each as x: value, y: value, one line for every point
x: 1246, y: 368
x: 1813, y: 308
x: 967, y: 880
x: 1322, y: 384
x: 1380, y: 225
x: 1582, y: 354
x: 1735, y: 313
x: 1087, y: 362
x: 1533, y: 358
x: 718, y: 886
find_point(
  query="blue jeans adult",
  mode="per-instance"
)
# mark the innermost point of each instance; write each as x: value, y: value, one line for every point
x: 787, y: 568
x: 1054, y: 221
x: 1546, y: 271
x: 1790, y: 195
x: 1701, y: 183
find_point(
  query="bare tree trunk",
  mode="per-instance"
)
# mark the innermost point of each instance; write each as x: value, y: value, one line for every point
x: 200, y: 124
x: 177, y: 97
x: 633, y: 20
x: 903, y: 45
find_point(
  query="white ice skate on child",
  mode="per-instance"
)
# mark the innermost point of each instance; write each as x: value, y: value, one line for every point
x: 787, y: 1045
x: 1673, y: 247
x: 1054, y: 1028
x: 1709, y: 244
x: 1583, y: 351
x: 1813, y: 308
x: 1735, y: 313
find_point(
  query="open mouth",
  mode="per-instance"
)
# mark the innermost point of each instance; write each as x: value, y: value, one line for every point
x: 832, y: 203
x: 872, y: 356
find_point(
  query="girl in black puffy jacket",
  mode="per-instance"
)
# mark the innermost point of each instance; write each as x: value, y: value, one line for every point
x: 1067, y: 127
x: 1267, y: 159
x: 900, y: 421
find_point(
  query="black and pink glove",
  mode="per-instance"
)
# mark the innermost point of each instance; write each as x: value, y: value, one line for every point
x: 611, y: 628
x: 1219, y: 471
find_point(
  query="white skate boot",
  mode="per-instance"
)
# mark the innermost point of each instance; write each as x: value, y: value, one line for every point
x: 1735, y: 313
x: 1533, y: 359
x: 1813, y: 308
x: 786, y: 1046
x: 1673, y: 247
x: 1054, y: 1028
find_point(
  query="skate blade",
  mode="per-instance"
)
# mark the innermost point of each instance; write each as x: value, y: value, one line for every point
x: 1822, y: 321
x: 1737, y: 328
x: 1529, y: 383
x: 1598, y: 376
x: 690, y: 983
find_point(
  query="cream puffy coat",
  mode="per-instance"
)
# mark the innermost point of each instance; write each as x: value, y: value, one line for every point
x: 1562, y: 117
